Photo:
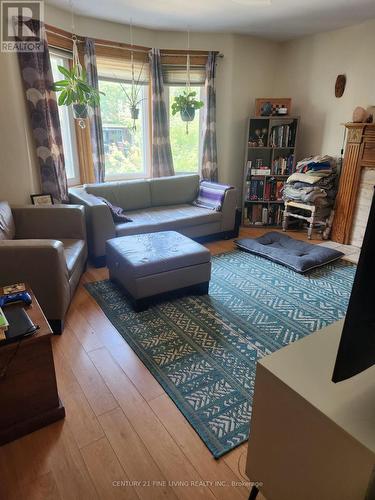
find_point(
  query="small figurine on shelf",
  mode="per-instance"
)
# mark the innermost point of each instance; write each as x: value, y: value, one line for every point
x: 260, y: 135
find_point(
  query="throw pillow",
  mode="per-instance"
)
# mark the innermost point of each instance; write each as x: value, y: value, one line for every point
x: 117, y: 213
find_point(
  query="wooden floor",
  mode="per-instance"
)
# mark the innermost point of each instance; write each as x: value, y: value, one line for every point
x: 122, y: 438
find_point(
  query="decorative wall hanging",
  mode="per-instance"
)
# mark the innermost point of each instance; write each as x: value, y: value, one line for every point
x: 340, y: 85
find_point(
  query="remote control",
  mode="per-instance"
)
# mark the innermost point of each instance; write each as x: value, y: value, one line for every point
x: 15, y: 297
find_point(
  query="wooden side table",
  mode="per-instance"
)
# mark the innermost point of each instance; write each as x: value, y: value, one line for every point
x: 28, y: 391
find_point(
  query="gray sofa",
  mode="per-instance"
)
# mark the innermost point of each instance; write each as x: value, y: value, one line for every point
x: 153, y: 205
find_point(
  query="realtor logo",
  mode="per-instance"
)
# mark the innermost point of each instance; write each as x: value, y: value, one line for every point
x: 17, y: 34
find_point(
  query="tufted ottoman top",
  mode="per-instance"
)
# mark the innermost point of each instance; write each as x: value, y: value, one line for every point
x: 152, y: 253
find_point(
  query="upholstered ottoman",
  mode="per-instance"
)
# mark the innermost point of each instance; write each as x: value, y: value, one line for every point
x: 146, y: 265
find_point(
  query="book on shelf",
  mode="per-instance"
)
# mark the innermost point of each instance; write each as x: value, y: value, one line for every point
x: 283, y: 165
x: 283, y: 136
x: 260, y: 171
x: 265, y: 190
x: 256, y: 189
x: 260, y: 215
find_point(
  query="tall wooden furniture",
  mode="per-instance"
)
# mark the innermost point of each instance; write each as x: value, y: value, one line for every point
x: 359, y: 154
x: 310, y: 438
x: 28, y: 389
x: 269, y: 160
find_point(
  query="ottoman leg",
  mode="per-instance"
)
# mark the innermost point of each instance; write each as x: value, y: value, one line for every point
x: 140, y: 305
x: 202, y: 288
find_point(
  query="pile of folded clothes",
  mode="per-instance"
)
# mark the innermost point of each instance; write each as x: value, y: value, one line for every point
x: 314, y: 182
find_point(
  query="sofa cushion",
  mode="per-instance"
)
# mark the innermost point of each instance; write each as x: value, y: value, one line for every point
x: 174, y: 190
x: 166, y: 218
x: 7, y: 229
x: 75, y: 254
x: 129, y: 195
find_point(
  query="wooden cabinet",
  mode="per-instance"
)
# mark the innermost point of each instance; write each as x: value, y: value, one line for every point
x: 359, y: 154
x: 28, y: 391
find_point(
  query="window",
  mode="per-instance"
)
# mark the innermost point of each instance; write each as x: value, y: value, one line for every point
x: 125, y: 140
x: 186, y: 148
x: 67, y: 125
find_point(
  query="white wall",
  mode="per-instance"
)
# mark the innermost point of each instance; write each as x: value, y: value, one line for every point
x: 306, y: 71
x: 18, y: 176
x: 243, y: 74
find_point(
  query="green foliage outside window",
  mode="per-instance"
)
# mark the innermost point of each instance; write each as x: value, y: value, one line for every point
x: 123, y: 145
x: 185, y: 147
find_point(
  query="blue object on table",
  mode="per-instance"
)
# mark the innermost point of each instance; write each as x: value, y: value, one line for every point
x: 24, y: 297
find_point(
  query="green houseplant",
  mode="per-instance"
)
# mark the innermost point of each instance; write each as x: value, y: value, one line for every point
x: 186, y: 104
x: 133, y: 99
x: 74, y: 90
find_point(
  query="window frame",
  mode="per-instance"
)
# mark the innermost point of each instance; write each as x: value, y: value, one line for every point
x: 200, y: 145
x: 76, y: 179
x: 146, y: 127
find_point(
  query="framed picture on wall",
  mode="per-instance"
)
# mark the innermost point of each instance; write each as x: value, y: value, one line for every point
x: 42, y: 199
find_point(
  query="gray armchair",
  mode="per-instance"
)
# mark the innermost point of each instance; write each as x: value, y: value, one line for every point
x: 45, y: 247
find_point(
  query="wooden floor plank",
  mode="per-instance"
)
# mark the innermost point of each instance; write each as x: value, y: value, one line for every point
x: 196, y: 451
x: 165, y: 452
x: 138, y: 464
x: 84, y: 332
x: 106, y: 472
x: 143, y: 380
x: 79, y: 414
x: 236, y: 460
x: 97, y: 393
x: 67, y: 465
x: 42, y: 487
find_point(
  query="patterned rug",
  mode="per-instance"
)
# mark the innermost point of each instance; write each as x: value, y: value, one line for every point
x: 203, y: 350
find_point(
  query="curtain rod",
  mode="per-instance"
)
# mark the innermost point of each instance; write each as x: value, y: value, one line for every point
x: 129, y: 49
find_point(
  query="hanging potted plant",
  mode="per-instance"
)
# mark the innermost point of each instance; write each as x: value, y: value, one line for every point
x: 186, y: 104
x: 133, y: 97
x: 74, y: 90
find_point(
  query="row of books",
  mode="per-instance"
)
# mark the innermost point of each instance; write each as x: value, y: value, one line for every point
x: 279, y: 166
x: 282, y: 165
x: 283, y: 136
x: 260, y: 215
x: 259, y: 189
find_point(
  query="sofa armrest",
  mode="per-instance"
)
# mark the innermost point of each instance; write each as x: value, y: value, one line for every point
x: 52, y: 222
x: 100, y: 225
x: 42, y: 264
x: 228, y: 210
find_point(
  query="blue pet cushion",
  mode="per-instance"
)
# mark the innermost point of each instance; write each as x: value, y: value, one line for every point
x: 282, y: 249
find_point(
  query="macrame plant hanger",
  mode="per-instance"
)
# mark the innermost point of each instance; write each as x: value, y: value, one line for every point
x: 132, y: 70
x: 76, y: 62
x: 188, y: 73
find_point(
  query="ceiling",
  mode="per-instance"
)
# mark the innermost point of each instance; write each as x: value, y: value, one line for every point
x: 274, y: 19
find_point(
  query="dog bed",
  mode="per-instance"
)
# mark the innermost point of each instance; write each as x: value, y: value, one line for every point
x: 295, y: 254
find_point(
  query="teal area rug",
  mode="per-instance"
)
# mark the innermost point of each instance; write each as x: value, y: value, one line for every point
x: 203, y: 350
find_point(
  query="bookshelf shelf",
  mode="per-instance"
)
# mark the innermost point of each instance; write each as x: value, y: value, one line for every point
x: 269, y: 160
